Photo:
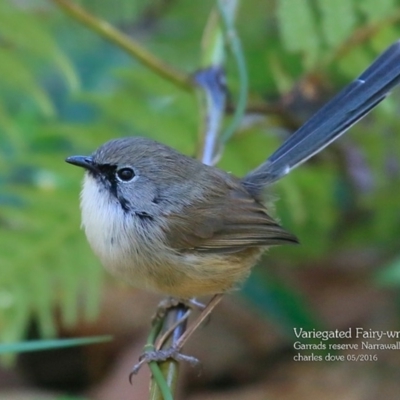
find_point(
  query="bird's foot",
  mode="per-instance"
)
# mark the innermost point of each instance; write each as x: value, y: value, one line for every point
x: 162, y: 355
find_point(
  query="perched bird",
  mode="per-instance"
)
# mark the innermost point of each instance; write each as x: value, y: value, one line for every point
x: 168, y: 223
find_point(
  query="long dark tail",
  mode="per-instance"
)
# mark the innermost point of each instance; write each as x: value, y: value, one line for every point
x: 354, y: 102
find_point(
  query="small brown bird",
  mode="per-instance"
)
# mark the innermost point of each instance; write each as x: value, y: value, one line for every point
x: 165, y: 222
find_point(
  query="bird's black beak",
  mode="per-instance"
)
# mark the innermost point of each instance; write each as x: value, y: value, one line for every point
x: 83, y: 161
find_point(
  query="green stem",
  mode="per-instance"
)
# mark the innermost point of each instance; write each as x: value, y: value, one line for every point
x: 162, y: 384
x: 133, y: 48
x: 166, y: 373
x: 161, y: 388
x: 227, y: 16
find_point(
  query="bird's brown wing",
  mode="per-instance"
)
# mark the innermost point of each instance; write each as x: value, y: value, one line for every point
x: 225, y: 224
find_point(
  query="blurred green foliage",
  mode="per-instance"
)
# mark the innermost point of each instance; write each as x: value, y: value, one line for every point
x: 65, y: 91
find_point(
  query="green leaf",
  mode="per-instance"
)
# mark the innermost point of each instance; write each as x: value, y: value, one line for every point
x: 388, y: 34
x: 375, y: 11
x: 25, y: 34
x: 39, y: 345
x: 298, y: 29
x: 282, y: 79
x: 21, y: 78
x: 354, y: 62
x: 389, y: 276
x: 333, y: 11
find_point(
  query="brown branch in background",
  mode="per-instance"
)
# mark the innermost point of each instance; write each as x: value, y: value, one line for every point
x: 154, y: 11
x: 277, y: 110
x: 361, y: 35
x: 133, y: 48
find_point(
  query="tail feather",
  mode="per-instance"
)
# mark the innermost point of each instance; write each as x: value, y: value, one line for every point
x: 354, y: 102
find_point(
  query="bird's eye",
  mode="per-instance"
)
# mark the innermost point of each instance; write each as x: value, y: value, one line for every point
x: 125, y: 174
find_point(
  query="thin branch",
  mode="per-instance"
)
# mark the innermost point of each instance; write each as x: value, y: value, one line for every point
x: 162, y: 387
x: 167, y: 372
x: 212, y: 94
x: 227, y: 10
x: 211, y: 91
x: 132, y: 47
x: 204, y: 314
x: 361, y: 35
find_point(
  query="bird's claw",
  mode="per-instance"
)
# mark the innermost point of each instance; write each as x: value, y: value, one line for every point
x: 162, y: 355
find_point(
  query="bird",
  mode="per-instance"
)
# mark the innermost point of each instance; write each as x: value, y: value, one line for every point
x: 165, y: 222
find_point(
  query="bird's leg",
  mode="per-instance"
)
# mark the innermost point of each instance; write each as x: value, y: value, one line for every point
x: 170, y: 302
x: 206, y: 311
x: 204, y: 314
x: 169, y: 331
x: 174, y: 351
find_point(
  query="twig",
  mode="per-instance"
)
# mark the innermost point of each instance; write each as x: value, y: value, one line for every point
x: 133, y: 48
x: 361, y: 35
x: 204, y: 314
x: 227, y: 10
x: 211, y: 82
x: 161, y: 386
x: 168, y: 370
